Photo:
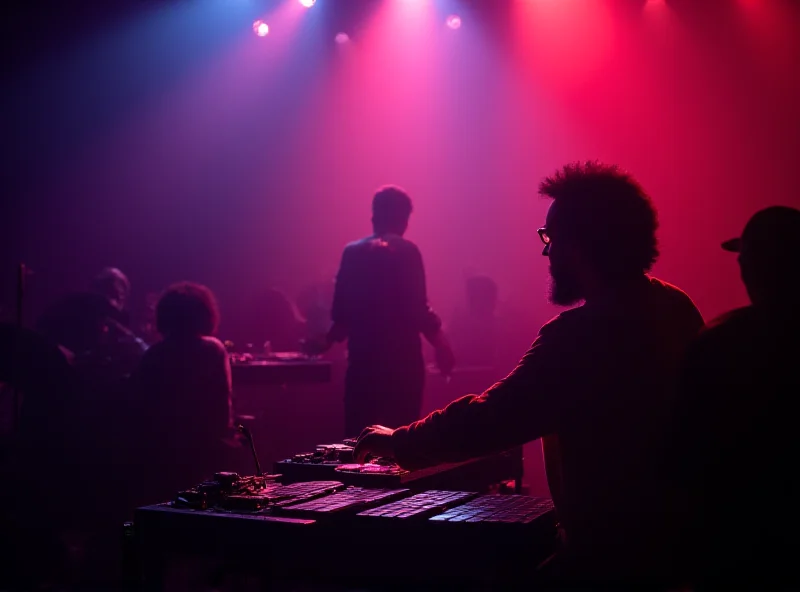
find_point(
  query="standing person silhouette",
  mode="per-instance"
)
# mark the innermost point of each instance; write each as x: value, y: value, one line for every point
x: 380, y: 307
x: 736, y: 427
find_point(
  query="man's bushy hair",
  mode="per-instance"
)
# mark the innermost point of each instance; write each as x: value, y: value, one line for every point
x: 187, y: 309
x: 608, y: 214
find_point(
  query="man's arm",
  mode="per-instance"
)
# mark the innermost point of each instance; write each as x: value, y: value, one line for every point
x: 342, y: 300
x: 524, y: 406
x: 427, y: 321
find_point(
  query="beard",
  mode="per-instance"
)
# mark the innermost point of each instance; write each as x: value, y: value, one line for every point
x: 564, y: 288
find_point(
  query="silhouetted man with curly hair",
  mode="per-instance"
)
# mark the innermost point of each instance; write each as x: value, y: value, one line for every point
x: 596, y: 384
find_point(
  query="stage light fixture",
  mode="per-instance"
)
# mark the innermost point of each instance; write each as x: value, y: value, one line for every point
x: 307, y: 3
x: 261, y: 28
x: 342, y: 38
x: 453, y: 21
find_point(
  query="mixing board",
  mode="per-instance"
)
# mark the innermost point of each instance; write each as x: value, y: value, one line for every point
x: 229, y: 491
x: 505, y: 509
x: 320, y: 506
x: 282, y: 529
x: 279, y: 369
x: 349, y: 501
x: 279, y: 495
x: 335, y: 462
x: 419, y: 506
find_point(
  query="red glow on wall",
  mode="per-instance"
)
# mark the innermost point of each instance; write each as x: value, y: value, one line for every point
x: 769, y: 32
x: 567, y: 41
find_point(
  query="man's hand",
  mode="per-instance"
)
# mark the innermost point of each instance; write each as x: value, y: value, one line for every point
x: 445, y: 360
x: 374, y: 441
x: 316, y: 346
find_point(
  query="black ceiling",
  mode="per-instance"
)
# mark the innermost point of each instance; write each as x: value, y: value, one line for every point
x: 37, y: 27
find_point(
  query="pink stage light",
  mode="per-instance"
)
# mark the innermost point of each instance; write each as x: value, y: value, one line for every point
x: 261, y: 28
x: 342, y: 38
x: 307, y: 3
x: 454, y: 21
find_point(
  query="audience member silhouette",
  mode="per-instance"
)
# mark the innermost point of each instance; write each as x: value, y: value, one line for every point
x: 147, y: 318
x: 79, y: 322
x: 184, y: 394
x: 380, y: 307
x: 597, y: 382
x: 93, y: 326
x: 42, y: 450
x: 736, y: 428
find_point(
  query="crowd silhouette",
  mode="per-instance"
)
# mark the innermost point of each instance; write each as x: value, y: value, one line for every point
x: 668, y: 442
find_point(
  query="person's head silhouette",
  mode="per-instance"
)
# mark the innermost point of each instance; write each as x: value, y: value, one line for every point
x: 187, y: 310
x: 391, y: 209
x: 114, y: 285
x: 769, y: 255
x: 600, y: 230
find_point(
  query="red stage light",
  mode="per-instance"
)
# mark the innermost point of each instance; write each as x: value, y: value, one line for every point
x: 261, y: 28
x: 307, y: 3
x: 454, y: 21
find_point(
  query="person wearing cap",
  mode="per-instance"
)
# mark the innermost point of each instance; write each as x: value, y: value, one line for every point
x: 736, y: 431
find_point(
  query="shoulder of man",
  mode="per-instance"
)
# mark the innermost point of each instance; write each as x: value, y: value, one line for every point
x: 355, y: 245
x: 566, y: 321
x: 360, y: 245
x: 729, y: 323
x: 673, y: 292
x: 721, y: 336
x: 404, y: 245
x: 390, y: 243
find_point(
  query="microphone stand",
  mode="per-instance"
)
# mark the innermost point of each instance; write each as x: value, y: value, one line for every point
x: 246, y: 433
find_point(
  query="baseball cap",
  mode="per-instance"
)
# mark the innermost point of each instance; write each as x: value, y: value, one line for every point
x: 772, y: 230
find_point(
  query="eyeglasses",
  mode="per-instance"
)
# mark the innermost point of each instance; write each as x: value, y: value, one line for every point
x: 544, y: 236
x: 546, y: 240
